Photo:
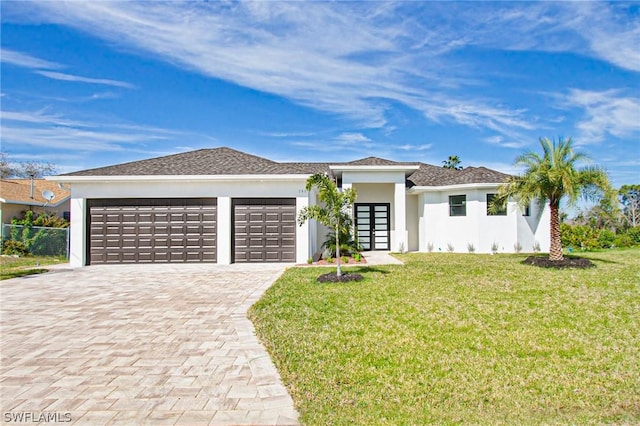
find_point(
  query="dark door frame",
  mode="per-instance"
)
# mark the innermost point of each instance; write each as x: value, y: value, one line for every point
x: 372, y: 231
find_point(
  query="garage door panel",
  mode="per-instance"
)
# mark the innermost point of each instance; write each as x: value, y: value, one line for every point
x: 288, y: 229
x: 289, y: 216
x: 264, y: 230
x: 152, y: 230
x: 145, y: 243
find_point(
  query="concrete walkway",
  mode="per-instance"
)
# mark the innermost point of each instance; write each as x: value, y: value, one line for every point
x: 162, y: 345
x: 380, y: 258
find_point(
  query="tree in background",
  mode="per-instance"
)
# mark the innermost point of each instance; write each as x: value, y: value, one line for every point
x: 334, y: 210
x: 453, y: 163
x: 629, y: 196
x: 25, y: 169
x: 604, y: 215
x: 550, y: 177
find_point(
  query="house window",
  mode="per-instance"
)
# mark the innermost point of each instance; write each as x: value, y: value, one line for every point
x: 527, y: 210
x: 66, y: 216
x: 457, y: 205
x: 500, y: 212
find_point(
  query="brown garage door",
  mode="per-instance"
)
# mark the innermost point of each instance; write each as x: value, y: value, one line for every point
x: 264, y: 230
x: 152, y: 230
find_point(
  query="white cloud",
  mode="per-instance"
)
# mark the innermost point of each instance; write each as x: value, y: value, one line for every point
x: 46, y: 131
x: 409, y: 147
x: 501, y: 141
x: 27, y: 61
x: 356, y: 59
x: 346, y: 59
x: 75, y: 78
x: 607, y: 112
x: 352, y: 138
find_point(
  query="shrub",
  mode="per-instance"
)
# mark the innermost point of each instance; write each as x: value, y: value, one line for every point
x: 47, y: 220
x: 450, y: 248
x: 606, y: 238
x: 14, y: 247
x: 345, y: 259
x: 536, y: 247
x: 430, y: 246
x: 471, y: 248
x: 494, y: 247
x: 634, y: 234
x: 348, y: 245
x: 588, y: 238
x: 579, y: 236
x: 517, y: 247
x: 357, y: 257
x: 623, y: 240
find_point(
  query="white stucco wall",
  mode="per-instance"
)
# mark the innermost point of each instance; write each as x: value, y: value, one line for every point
x: 417, y: 218
x: 437, y: 227
x: 534, y: 228
x: 413, y: 239
x: 224, y: 191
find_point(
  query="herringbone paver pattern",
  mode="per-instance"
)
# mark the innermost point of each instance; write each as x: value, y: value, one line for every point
x: 159, y: 344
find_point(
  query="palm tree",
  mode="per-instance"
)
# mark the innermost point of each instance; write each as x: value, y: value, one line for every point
x: 333, y: 212
x: 453, y: 162
x: 550, y: 178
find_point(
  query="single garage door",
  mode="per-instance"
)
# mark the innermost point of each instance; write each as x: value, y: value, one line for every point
x: 264, y: 230
x: 152, y: 230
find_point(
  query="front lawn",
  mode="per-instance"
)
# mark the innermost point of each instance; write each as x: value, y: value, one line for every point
x: 454, y: 338
x: 13, y: 267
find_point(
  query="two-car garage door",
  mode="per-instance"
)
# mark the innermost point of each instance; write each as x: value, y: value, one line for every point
x: 152, y: 230
x: 185, y: 230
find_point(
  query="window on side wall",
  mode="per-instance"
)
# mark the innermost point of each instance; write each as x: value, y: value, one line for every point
x: 457, y: 205
x: 66, y: 216
x: 501, y: 212
x: 527, y: 210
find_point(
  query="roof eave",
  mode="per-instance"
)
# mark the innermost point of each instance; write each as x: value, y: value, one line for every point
x: 440, y: 188
x: 163, y: 178
x: 338, y: 169
x: 35, y: 203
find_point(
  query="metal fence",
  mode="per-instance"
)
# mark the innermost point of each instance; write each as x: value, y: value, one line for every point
x: 39, y: 240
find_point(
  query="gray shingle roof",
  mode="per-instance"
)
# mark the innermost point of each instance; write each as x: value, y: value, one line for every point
x: 227, y: 161
x: 428, y: 175
x: 375, y: 161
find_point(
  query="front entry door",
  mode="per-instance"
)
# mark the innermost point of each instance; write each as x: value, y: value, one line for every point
x: 372, y: 225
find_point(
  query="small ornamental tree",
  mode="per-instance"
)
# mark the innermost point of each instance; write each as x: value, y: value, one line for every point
x: 333, y: 210
x: 550, y: 178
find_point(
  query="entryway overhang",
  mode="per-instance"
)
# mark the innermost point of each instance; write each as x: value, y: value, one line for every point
x: 384, y: 175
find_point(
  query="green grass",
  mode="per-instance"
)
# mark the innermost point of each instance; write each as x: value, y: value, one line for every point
x: 453, y: 338
x: 13, y: 267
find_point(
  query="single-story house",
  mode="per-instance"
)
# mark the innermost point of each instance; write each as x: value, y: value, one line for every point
x: 226, y: 206
x: 19, y: 195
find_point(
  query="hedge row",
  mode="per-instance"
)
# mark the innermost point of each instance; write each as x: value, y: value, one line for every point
x: 588, y: 238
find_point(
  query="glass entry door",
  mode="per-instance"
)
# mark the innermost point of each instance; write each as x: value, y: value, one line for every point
x: 372, y: 226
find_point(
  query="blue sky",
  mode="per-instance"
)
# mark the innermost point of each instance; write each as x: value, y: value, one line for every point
x: 87, y: 84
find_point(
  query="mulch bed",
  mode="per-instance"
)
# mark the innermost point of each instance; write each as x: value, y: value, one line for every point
x: 567, y: 262
x: 331, y: 277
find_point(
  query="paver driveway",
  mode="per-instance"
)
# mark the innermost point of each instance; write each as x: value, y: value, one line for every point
x: 161, y: 344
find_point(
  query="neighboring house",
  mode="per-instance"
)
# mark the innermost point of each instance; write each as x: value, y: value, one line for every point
x: 19, y: 195
x: 225, y: 206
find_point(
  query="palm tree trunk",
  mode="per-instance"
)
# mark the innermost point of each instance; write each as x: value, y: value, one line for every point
x: 555, y: 251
